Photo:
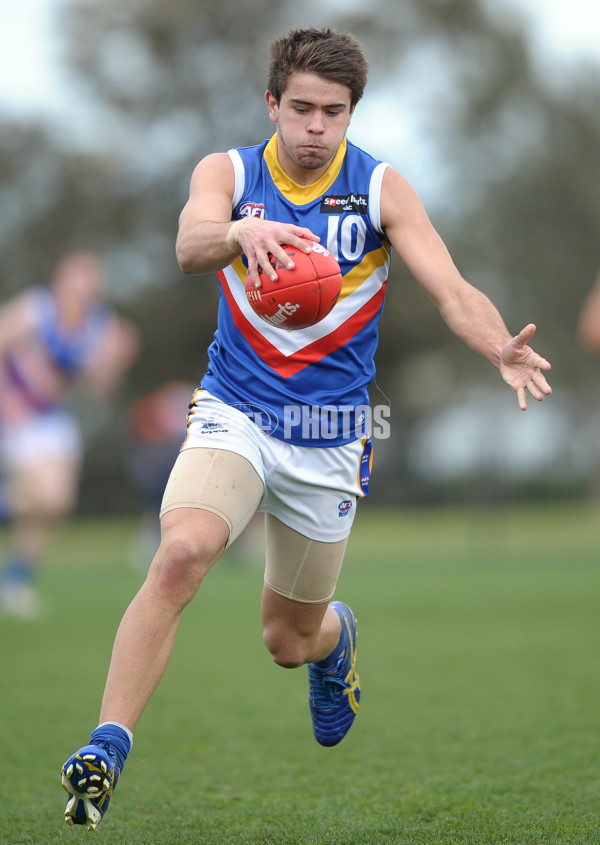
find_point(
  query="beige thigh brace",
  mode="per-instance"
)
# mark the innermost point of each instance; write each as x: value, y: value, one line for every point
x: 215, y: 480
x: 299, y: 568
x: 226, y: 484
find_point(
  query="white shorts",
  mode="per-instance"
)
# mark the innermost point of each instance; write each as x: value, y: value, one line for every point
x: 53, y: 434
x: 312, y: 490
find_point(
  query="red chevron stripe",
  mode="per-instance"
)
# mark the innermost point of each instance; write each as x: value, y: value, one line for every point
x: 288, y: 366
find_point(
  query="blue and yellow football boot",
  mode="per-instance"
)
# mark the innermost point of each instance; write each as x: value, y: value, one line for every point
x: 334, y: 686
x: 90, y: 777
x: 91, y: 774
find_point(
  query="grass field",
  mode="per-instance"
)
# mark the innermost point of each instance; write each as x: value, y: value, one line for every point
x: 479, y: 722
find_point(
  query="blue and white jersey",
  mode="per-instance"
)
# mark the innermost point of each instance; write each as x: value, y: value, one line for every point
x: 307, y: 386
x: 38, y: 369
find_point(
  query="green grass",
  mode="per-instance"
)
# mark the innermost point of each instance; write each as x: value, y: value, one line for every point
x: 479, y: 723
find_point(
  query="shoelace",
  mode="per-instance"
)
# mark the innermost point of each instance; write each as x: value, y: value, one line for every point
x: 352, y: 682
x: 326, y: 689
x: 324, y: 694
x: 110, y: 750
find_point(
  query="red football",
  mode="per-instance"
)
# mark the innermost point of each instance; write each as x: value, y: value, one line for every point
x: 302, y: 296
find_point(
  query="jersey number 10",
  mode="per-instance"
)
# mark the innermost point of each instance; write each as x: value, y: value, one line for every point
x: 347, y: 235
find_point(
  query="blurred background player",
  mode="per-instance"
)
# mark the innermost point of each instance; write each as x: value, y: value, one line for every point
x: 588, y: 335
x: 589, y: 320
x: 52, y: 338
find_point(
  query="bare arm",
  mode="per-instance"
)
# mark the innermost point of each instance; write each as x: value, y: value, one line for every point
x: 206, y: 218
x: 115, y: 353
x: 467, y: 311
x: 208, y: 240
x: 16, y: 321
x: 17, y: 325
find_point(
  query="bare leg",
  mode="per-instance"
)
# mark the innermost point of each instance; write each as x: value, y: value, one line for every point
x: 192, y: 541
x: 322, y: 634
x: 296, y: 633
x: 39, y: 497
x: 298, y: 626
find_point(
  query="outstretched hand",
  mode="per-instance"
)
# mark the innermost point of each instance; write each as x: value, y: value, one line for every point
x: 521, y: 368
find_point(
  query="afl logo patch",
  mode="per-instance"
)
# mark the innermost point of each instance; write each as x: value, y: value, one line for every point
x: 344, y: 507
x: 252, y: 209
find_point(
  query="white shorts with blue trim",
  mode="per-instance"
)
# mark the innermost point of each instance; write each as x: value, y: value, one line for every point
x: 313, y: 490
x: 46, y: 435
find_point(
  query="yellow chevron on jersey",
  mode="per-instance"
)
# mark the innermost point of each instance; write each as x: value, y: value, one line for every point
x: 372, y: 262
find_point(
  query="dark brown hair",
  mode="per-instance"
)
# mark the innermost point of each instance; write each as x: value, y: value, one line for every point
x: 335, y: 56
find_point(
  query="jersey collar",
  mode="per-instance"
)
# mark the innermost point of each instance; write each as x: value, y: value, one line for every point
x: 301, y: 194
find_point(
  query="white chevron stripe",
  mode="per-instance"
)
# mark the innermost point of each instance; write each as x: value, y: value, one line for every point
x: 289, y: 342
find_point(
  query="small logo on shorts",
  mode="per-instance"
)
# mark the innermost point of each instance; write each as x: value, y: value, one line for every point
x: 345, y: 507
x: 211, y: 427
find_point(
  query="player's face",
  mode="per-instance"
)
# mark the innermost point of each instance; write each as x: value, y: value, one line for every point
x: 312, y: 119
x: 78, y: 286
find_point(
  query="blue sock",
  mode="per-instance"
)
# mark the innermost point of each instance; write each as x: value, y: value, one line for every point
x: 18, y: 571
x: 115, y: 739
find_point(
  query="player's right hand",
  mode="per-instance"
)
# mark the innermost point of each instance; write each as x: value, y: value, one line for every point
x: 262, y: 241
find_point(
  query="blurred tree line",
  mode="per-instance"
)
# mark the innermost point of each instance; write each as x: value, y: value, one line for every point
x: 509, y: 167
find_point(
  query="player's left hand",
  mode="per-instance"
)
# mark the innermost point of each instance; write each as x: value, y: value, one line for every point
x: 521, y: 368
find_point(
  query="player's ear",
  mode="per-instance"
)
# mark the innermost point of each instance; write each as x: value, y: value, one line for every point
x: 272, y: 105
